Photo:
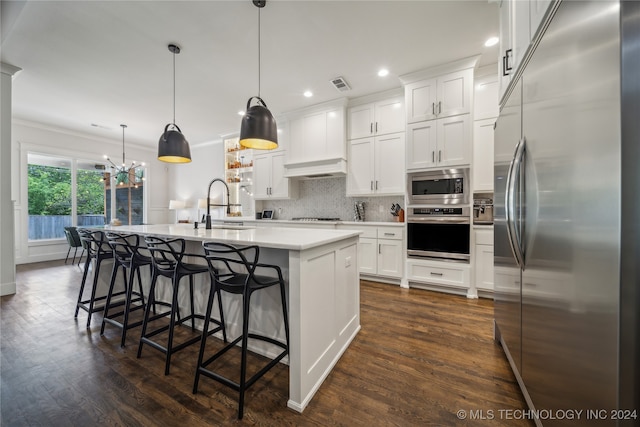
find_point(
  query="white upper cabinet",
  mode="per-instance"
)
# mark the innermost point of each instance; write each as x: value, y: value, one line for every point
x: 485, y: 99
x: 519, y: 23
x: 376, y: 165
x: 483, y: 155
x: 439, y: 143
x: 537, y: 10
x: 269, y: 180
x: 444, y: 96
x: 377, y: 118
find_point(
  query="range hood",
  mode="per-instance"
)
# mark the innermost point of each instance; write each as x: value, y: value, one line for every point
x: 325, y: 168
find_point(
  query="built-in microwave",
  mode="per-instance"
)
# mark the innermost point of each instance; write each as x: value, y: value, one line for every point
x: 442, y: 187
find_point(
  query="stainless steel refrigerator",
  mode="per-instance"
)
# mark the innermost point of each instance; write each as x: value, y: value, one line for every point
x: 567, y: 217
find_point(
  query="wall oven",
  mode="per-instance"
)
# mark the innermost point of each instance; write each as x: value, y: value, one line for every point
x: 442, y: 187
x: 440, y: 233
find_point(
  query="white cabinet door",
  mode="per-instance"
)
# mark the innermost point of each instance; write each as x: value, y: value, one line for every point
x: 279, y: 184
x: 389, y: 116
x: 484, y: 267
x: 390, y: 257
x: 420, y: 100
x: 537, y: 10
x: 360, y: 167
x: 485, y: 99
x: 361, y: 120
x: 389, y: 164
x: 367, y: 255
x: 421, y: 145
x: 261, y: 176
x: 483, y: 155
x: 505, y: 59
x: 454, y: 141
x: 454, y: 93
x: 296, y: 139
x: 520, y: 31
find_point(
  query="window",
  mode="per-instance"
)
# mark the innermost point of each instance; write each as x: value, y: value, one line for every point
x: 90, y: 194
x: 49, y: 193
x: 63, y: 192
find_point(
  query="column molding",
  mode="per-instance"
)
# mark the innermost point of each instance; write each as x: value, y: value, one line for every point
x: 7, y: 224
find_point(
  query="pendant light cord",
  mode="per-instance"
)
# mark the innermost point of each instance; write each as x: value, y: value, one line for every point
x: 174, y: 87
x: 259, y: 50
x: 123, y: 126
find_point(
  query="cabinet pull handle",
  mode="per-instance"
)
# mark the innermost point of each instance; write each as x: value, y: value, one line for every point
x: 508, y: 55
x: 439, y: 107
x: 389, y: 234
x: 439, y: 156
x: 371, y: 185
x: 433, y: 108
x: 379, y: 248
x: 435, y: 274
x: 433, y: 157
x: 371, y: 128
x: 376, y: 127
x: 504, y: 66
x: 376, y: 184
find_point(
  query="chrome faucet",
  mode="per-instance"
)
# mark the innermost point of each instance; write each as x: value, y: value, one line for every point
x: 228, y: 205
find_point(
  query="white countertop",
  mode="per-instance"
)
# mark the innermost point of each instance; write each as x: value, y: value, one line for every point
x: 268, y: 237
x: 250, y: 220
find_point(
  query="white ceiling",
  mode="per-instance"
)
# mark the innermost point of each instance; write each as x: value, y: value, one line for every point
x: 107, y: 62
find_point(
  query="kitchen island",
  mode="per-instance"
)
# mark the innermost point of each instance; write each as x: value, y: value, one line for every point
x: 320, y: 268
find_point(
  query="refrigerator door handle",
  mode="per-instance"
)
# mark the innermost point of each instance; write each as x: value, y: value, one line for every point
x: 510, y: 203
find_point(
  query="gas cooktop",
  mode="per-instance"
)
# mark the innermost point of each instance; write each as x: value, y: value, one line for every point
x: 314, y: 219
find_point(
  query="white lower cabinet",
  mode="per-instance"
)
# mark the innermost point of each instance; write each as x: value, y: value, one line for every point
x: 483, y: 264
x: 381, y: 250
x: 445, y: 276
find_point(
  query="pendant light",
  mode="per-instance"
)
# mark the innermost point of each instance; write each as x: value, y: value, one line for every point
x: 122, y: 174
x: 173, y: 146
x: 258, y: 129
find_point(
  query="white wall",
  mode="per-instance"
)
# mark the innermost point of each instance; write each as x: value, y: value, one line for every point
x: 32, y: 137
x: 189, y: 181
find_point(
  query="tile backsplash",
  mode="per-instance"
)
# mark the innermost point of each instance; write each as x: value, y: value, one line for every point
x: 325, y: 198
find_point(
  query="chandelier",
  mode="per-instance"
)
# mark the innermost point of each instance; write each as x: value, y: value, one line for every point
x: 126, y: 175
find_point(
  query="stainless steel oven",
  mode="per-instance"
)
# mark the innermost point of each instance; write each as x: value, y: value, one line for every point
x: 442, y: 187
x: 441, y: 233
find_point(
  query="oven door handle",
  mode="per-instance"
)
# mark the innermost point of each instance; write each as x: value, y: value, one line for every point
x: 436, y: 220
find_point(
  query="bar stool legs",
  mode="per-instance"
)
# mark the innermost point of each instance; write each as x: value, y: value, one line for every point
x: 167, y: 257
x: 129, y: 255
x: 241, y: 281
x: 99, y: 251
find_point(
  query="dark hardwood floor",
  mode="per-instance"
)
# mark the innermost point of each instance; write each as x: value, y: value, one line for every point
x: 420, y: 358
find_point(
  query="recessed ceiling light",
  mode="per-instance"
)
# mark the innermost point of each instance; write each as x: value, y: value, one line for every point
x: 308, y: 94
x: 492, y: 41
x: 383, y: 72
x: 241, y: 113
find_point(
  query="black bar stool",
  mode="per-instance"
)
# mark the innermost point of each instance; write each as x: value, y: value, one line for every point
x: 73, y: 238
x: 128, y: 255
x: 167, y: 257
x: 98, y: 250
x: 238, y: 277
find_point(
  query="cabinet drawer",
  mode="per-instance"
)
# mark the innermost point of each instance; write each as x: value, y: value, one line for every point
x: 392, y: 233
x: 442, y: 273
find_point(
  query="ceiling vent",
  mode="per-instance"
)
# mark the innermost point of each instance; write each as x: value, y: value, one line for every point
x: 341, y: 84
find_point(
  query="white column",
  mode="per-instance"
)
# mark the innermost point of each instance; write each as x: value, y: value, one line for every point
x: 7, y: 225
